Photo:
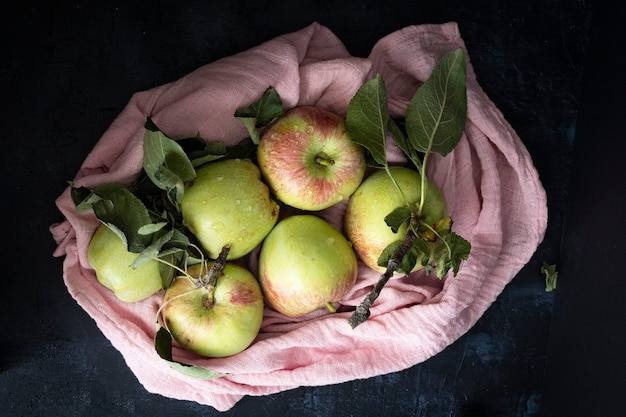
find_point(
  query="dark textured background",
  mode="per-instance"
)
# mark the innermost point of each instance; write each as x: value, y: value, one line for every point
x: 68, y: 69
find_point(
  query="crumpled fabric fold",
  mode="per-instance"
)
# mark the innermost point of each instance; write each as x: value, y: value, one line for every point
x: 493, y: 192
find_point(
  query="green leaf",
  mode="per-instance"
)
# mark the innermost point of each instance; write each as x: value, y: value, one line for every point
x: 551, y: 276
x: 261, y: 113
x: 443, y: 226
x: 166, y: 163
x: 212, y: 151
x: 175, y: 193
x: 152, y: 251
x: 460, y: 249
x: 83, y: 198
x: 144, y: 187
x: 370, y: 162
x: 215, y: 148
x: 177, y: 240
x: 397, y: 218
x: 409, y: 260
x: 401, y: 140
x: 424, y: 248
x: 150, y: 125
x: 450, y: 254
x: 204, y: 158
x: 173, y: 251
x: 163, y: 347
x: 367, y: 118
x: 167, y: 272
x: 151, y: 228
x: 169, y: 251
x: 435, y: 116
x: 124, y: 213
x: 245, y: 149
x: 388, y: 252
x: 172, y: 242
x: 193, y: 144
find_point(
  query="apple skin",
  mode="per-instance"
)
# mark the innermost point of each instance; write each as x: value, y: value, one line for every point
x: 109, y: 257
x: 376, y: 197
x: 305, y: 264
x: 228, y: 204
x: 308, y: 159
x: 226, y: 327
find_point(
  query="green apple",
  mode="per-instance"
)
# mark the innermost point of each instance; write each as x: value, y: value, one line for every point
x: 308, y: 159
x: 376, y: 197
x: 108, y: 256
x: 228, y: 204
x: 305, y: 264
x: 217, y: 322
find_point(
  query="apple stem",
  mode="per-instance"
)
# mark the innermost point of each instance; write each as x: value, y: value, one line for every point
x: 209, y: 280
x: 208, y: 299
x: 324, y: 160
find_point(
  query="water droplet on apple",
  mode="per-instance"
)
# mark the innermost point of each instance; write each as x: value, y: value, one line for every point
x: 217, y: 226
x: 330, y: 242
x: 238, y: 202
x: 248, y: 208
x: 309, y: 129
x: 219, y: 179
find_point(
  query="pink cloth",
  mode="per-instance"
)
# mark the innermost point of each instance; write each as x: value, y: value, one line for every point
x: 493, y: 191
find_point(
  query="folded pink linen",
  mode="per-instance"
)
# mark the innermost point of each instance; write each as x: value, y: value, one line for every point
x: 492, y: 188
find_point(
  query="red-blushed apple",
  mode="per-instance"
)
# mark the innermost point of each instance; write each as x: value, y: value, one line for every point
x: 376, y: 197
x: 308, y: 159
x: 228, y: 204
x: 111, y: 260
x: 305, y: 264
x: 215, y: 322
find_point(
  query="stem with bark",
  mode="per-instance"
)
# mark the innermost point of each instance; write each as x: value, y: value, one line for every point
x: 362, y: 312
x: 209, y: 280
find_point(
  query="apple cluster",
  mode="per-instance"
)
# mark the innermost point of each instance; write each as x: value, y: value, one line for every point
x: 305, y: 160
x: 224, y: 203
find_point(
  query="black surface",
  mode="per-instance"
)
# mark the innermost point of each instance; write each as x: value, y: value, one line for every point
x: 69, y: 68
x: 586, y: 368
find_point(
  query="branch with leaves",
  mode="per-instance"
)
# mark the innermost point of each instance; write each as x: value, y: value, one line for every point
x: 434, y: 122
